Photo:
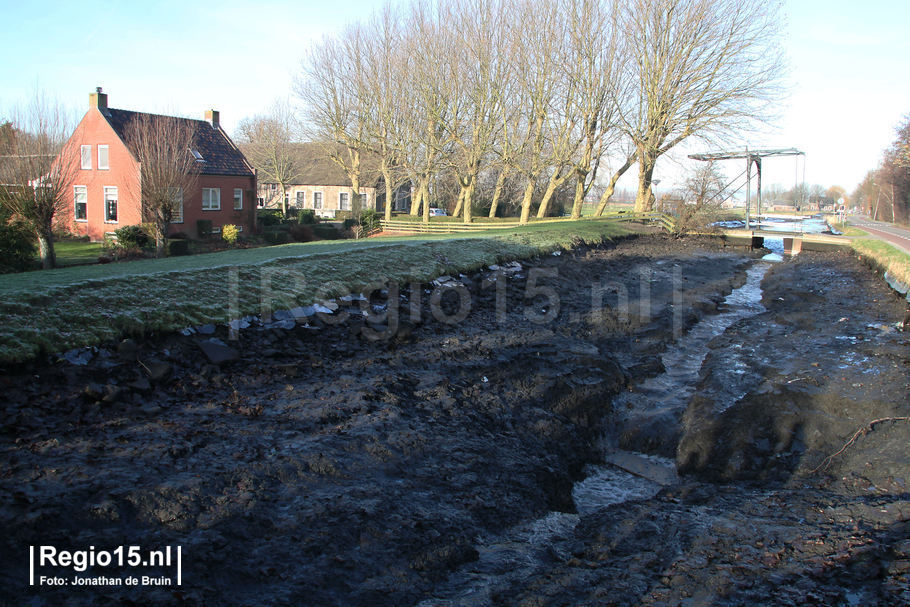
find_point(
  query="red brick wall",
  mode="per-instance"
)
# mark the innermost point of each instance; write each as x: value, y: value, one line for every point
x: 94, y: 130
x: 192, y: 205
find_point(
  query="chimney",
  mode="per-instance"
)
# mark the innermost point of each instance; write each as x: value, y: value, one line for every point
x: 98, y: 99
x: 211, y: 116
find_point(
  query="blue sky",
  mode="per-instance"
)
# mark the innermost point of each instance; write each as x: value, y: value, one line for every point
x: 848, y: 67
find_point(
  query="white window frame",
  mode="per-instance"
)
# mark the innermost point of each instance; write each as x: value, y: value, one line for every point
x: 104, y: 163
x: 300, y: 199
x: 317, y: 196
x: 77, y: 190
x: 177, y: 206
x: 111, y: 190
x: 85, y: 153
x: 342, y: 205
x: 238, y: 199
x: 207, y: 203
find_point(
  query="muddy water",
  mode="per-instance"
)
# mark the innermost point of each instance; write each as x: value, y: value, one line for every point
x: 626, y: 476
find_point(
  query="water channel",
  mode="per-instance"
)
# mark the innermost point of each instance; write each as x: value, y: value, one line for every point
x: 624, y: 475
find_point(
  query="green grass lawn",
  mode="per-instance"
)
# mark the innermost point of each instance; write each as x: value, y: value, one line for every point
x: 891, y: 259
x: 76, y: 252
x: 55, y: 310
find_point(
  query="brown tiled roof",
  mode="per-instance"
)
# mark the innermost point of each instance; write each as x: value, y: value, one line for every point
x: 221, y: 156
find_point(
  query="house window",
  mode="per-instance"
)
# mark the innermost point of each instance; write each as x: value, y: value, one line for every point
x: 238, y: 199
x: 86, y: 153
x: 197, y: 155
x: 176, y: 205
x: 110, y: 204
x: 300, y: 198
x: 80, y: 199
x: 344, y: 201
x: 103, y: 157
x: 317, y: 200
x: 211, y: 199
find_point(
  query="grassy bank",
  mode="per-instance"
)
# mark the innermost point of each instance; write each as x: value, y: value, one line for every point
x: 53, y: 311
x: 890, y: 259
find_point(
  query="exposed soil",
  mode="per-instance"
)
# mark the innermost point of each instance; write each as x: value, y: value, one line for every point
x: 358, y: 462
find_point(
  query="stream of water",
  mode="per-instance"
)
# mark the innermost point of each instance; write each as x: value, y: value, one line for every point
x: 625, y: 476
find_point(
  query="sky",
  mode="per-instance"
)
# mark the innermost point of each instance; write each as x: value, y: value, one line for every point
x: 847, y: 84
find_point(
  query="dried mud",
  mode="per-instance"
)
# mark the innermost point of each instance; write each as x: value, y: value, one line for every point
x: 359, y: 462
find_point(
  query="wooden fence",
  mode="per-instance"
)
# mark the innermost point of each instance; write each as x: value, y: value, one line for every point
x: 452, y: 227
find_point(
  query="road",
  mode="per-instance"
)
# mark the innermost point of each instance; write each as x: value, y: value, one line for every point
x: 899, y: 237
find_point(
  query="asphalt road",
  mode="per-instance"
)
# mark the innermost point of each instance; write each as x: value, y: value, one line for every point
x: 900, y: 237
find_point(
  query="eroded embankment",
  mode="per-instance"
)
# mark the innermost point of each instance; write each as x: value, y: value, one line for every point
x: 790, y: 494
x: 319, y: 465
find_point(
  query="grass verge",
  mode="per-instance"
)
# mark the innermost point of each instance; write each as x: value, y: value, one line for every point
x: 76, y: 252
x: 890, y: 259
x: 56, y: 310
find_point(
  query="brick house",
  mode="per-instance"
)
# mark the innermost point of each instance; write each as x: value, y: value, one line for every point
x: 322, y: 185
x: 106, y: 189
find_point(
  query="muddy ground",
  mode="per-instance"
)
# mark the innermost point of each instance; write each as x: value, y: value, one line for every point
x: 360, y: 462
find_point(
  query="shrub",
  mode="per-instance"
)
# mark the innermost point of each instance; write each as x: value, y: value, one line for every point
x: 269, y: 217
x: 301, y: 233
x: 132, y: 237
x: 204, y: 227
x: 348, y: 223
x: 276, y: 237
x: 369, y: 219
x: 17, y: 248
x: 292, y: 213
x: 326, y: 232
x: 230, y: 233
x: 307, y: 216
x: 178, y: 246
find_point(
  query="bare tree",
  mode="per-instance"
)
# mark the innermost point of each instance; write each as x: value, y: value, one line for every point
x: 476, y: 74
x: 535, y: 41
x: 426, y: 108
x: 700, y: 67
x: 333, y: 86
x: 163, y: 146
x: 383, y: 91
x: 701, y: 194
x: 271, y: 146
x: 38, y: 165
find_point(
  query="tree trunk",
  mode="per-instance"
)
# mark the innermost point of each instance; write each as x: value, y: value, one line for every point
x: 644, y: 201
x: 386, y: 176
x: 356, y: 206
x: 460, y: 203
x: 555, y: 181
x: 284, y: 199
x: 425, y: 198
x: 417, y: 199
x: 469, y: 198
x: 579, y: 198
x: 611, y: 187
x: 46, y: 250
x: 526, y: 200
x: 497, y: 192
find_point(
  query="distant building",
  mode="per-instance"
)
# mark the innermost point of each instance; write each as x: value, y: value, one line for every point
x: 106, y: 189
x: 322, y: 185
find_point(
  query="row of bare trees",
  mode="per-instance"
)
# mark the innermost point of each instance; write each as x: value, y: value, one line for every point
x: 551, y: 91
x: 885, y: 192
